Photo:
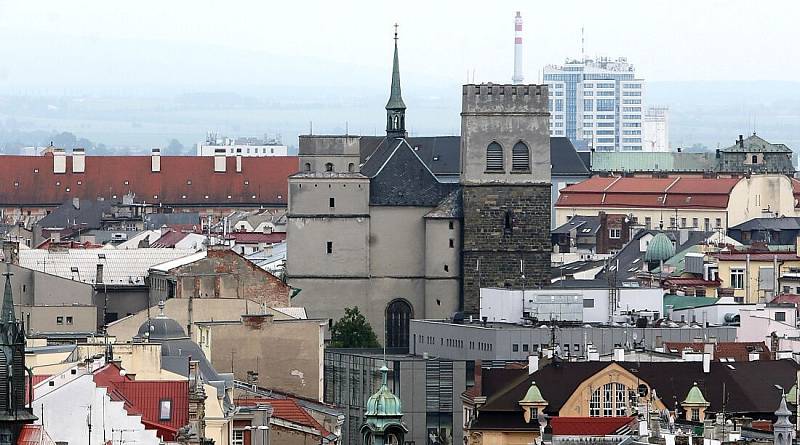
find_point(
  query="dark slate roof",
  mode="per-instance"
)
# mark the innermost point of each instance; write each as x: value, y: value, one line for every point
x: 442, y: 154
x: 586, y: 158
x: 565, y: 160
x: 747, y: 390
x: 157, y: 220
x: 580, y: 223
x: 774, y: 224
x: 754, y: 143
x: 627, y: 257
x: 403, y: 179
x: 449, y: 207
x: 88, y: 215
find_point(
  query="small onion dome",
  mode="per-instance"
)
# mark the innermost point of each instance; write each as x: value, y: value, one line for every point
x: 659, y: 249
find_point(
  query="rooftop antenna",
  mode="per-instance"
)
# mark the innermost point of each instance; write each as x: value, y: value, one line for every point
x: 583, y: 47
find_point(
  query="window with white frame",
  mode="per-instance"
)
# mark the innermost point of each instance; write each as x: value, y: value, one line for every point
x: 238, y: 437
x: 737, y: 278
x: 608, y: 400
x: 594, y: 404
x: 615, y: 233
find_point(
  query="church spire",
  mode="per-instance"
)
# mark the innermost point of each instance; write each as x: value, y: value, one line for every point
x: 395, y: 107
x: 8, y: 301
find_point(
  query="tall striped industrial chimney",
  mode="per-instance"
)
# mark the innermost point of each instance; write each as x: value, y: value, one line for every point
x: 517, y: 78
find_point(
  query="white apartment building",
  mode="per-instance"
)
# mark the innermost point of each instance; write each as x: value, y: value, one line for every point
x: 597, y: 104
x: 241, y: 146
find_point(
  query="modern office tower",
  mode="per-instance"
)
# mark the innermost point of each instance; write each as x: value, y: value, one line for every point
x: 596, y: 104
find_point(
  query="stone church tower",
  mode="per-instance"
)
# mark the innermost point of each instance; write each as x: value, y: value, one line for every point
x: 505, y: 175
x: 13, y: 412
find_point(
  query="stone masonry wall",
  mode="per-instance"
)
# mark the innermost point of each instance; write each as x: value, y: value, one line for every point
x: 504, y: 224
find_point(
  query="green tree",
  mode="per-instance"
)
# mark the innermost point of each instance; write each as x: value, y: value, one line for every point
x: 353, y: 331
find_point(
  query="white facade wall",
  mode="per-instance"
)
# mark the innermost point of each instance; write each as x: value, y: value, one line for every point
x: 85, y: 401
x: 758, y: 324
x: 504, y: 305
x: 713, y: 314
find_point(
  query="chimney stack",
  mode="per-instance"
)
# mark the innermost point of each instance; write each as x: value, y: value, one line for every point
x: 238, y: 160
x: 219, y: 160
x: 533, y: 363
x: 740, y: 141
x: 78, y: 160
x: 706, y: 363
x: 99, y: 275
x: 619, y: 354
x: 59, y: 160
x: 517, y: 78
x: 155, y: 160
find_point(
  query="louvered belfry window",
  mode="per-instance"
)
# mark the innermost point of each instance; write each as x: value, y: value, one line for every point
x: 520, y: 157
x: 494, y: 157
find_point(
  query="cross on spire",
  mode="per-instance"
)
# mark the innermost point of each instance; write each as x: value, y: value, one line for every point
x: 395, y: 31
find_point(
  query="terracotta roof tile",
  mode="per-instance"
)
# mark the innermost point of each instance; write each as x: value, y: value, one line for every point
x: 183, y: 180
x: 590, y: 426
x: 738, y: 351
x: 286, y: 409
x: 677, y: 192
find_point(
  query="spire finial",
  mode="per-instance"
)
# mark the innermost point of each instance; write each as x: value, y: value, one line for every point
x: 395, y: 33
x: 7, y: 315
x: 161, y: 305
x: 395, y: 107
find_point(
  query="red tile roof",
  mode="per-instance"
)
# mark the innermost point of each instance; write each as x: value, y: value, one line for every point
x: 286, y: 409
x: 787, y: 298
x: 169, y: 239
x: 255, y: 237
x: 689, y: 281
x: 34, y: 435
x: 591, y: 426
x: 143, y: 397
x: 183, y: 180
x: 674, y: 192
x: 756, y: 256
x: 738, y: 351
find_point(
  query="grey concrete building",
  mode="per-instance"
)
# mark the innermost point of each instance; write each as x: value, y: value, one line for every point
x: 504, y: 341
x: 429, y: 390
x: 376, y: 222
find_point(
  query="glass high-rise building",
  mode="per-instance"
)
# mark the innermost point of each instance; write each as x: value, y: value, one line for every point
x: 597, y: 104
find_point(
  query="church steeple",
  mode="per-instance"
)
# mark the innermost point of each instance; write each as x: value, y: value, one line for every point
x: 8, y: 316
x: 395, y: 107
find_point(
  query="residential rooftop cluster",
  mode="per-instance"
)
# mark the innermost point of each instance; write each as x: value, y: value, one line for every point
x: 538, y: 279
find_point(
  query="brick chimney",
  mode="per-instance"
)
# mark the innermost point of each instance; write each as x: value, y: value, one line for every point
x: 78, y: 160
x: 59, y: 160
x: 219, y: 160
x: 155, y: 160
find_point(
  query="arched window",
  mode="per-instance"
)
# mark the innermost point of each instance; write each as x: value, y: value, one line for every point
x: 611, y: 400
x: 351, y: 167
x: 307, y: 167
x: 494, y: 158
x: 398, y: 318
x: 329, y: 167
x: 520, y: 157
x: 754, y: 159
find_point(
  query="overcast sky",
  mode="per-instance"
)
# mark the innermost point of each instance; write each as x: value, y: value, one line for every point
x: 330, y: 44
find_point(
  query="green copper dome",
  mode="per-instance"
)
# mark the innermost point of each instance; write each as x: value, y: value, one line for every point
x: 659, y: 249
x: 533, y: 396
x: 695, y: 397
x: 383, y: 403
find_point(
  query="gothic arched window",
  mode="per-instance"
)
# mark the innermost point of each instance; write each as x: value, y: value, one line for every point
x: 494, y: 158
x: 398, y: 318
x: 351, y: 167
x: 307, y: 167
x: 520, y: 157
x: 329, y: 167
